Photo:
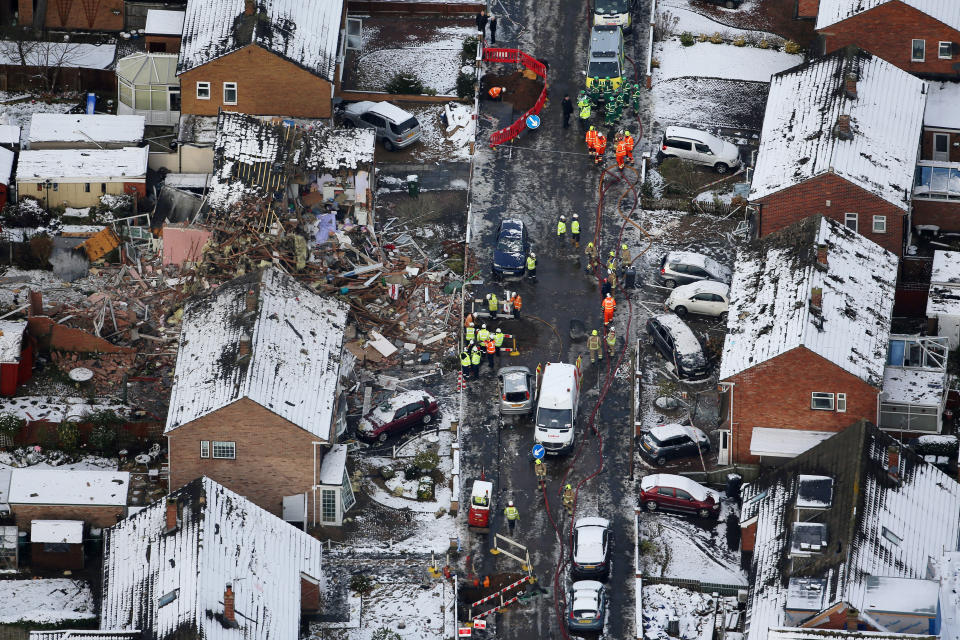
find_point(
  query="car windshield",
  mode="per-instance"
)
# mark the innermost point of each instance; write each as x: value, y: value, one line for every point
x: 510, y: 244
x: 604, y: 70
x: 516, y: 396
x: 554, y: 418
x: 694, y: 360
x: 652, y: 439
x: 611, y: 6
x: 404, y: 126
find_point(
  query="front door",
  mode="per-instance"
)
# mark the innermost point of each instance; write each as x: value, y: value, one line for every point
x: 941, y: 147
x: 723, y: 451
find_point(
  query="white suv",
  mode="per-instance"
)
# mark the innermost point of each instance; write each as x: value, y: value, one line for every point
x: 706, y: 298
x: 700, y: 147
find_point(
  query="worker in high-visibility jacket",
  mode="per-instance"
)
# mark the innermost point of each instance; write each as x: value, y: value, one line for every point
x: 512, y: 515
x: 562, y: 228
x: 471, y: 333
x: 611, y: 341
x: 493, y: 305
x: 532, y: 266
x: 517, y: 303
x: 475, y: 361
x: 568, y: 499
x: 491, y: 351
x: 484, y: 334
x: 498, y: 340
x: 609, y: 306
x: 575, y: 231
x: 625, y: 254
x: 621, y: 151
x: 601, y: 147
x: 593, y: 345
x: 628, y: 140
x: 465, y: 363
x: 591, y: 253
x: 496, y: 93
x: 591, y: 140
x: 541, y: 470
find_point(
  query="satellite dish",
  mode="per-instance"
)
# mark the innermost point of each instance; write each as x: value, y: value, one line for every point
x: 80, y: 374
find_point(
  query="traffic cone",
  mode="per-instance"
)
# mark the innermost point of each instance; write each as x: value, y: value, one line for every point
x: 460, y: 385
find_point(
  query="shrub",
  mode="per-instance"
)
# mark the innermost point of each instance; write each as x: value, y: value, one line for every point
x: 383, y: 633
x: 791, y: 47
x: 48, y: 437
x: 739, y: 41
x: 10, y: 426
x: 716, y: 38
x: 103, y: 440
x: 686, y: 39
x: 469, y: 53
x: 361, y: 584
x: 26, y: 213
x: 664, y: 25
x: 763, y: 44
x: 702, y: 37
x: 936, y: 445
x: 466, y: 85
x: 405, y: 83
x: 68, y: 435
x: 426, y: 461
x: 654, y: 63
x: 647, y: 547
x: 41, y: 247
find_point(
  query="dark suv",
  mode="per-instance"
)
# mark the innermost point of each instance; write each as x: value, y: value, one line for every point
x: 669, y: 441
x: 510, y: 254
x: 677, y: 343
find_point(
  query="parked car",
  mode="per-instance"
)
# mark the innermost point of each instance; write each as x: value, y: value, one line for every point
x: 729, y: 4
x: 517, y: 390
x: 614, y: 12
x: 705, y: 298
x: 591, y: 549
x: 678, y: 493
x: 588, y: 606
x: 678, y: 345
x: 669, y: 441
x: 398, y: 414
x: 699, y: 147
x: 395, y: 127
x: 605, y: 65
x: 513, y: 246
x: 684, y: 267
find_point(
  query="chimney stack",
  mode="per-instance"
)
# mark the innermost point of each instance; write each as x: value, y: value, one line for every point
x: 244, y: 348
x: 893, y: 462
x: 248, y: 8
x: 229, y: 613
x: 816, y: 299
x: 822, y: 254
x: 842, y: 130
x: 850, y: 86
x: 251, y: 299
x: 171, y: 515
x: 853, y: 619
x: 36, y: 303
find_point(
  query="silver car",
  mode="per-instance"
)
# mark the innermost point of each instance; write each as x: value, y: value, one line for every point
x: 394, y: 127
x: 517, y: 391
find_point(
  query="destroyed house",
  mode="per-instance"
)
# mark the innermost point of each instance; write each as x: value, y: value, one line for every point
x: 206, y: 562
x: 808, y: 333
x: 840, y: 139
x: 246, y: 55
x: 257, y: 399
x: 837, y: 537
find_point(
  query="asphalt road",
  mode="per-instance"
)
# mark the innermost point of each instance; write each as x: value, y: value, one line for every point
x: 541, y: 176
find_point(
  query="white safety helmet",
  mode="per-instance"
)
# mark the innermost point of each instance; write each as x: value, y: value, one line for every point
x: 498, y: 330
x: 510, y: 503
x: 533, y: 255
x: 611, y: 330
x: 609, y: 296
x: 575, y: 216
x: 563, y: 217
x: 483, y: 326
x: 488, y: 296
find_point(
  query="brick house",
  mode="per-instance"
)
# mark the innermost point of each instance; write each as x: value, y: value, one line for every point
x: 262, y: 57
x: 808, y: 332
x: 257, y: 399
x: 98, y: 498
x: 918, y: 36
x: 845, y: 537
x: 936, y: 190
x: 80, y: 177
x: 103, y: 15
x: 252, y: 575
x: 840, y: 140
x: 163, y: 31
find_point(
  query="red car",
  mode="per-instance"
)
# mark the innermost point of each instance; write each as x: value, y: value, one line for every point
x: 678, y: 493
x: 397, y: 415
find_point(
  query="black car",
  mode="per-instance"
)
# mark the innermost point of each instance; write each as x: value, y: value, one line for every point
x: 729, y: 4
x: 678, y: 345
x: 510, y: 254
x: 670, y: 441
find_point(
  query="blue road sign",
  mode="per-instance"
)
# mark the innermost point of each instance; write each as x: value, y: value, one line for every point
x: 533, y: 121
x: 538, y: 451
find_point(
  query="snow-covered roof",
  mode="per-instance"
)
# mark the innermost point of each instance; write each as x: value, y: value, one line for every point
x: 770, y: 299
x: 85, y: 634
x: 946, y: 267
x: 11, y: 339
x: 6, y: 165
x: 46, y: 408
x: 295, y: 335
x: 58, y: 531
x: 161, y: 22
x: 892, y: 594
x: 96, y: 128
x: 799, y: 140
x: 333, y: 465
x: 784, y: 443
x: 921, y: 387
x: 304, y: 33
x: 887, y: 527
x: 9, y: 134
x: 833, y: 11
x: 949, y: 570
x: 70, y: 55
x: 83, y: 165
x: 798, y: 633
x: 942, y: 101
x: 943, y: 301
x: 171, y: 584
x: 149, y: 69
x: 69, y: 487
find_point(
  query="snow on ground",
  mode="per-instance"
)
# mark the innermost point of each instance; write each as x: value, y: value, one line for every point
x: 711, y: 196
x: 435, y: 60
x: 50, y: 459
x: 708, y: 60
x: 661, y: 602
x: 697, y: 23
x: 412, y: 610
x: 428, y: 440
x: 20, y: 113
x: 16, y: 283
x: 45, y: 601
x: 434, y: 142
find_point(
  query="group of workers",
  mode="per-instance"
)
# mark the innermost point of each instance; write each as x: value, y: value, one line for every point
x: 596, y: 346
x: 515, y: 301
x: 574, y: 229
x: 614, y: 101
x: 597, y: 146
x: 478, y: 342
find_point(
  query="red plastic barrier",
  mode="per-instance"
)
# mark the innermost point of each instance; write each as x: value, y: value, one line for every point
x: 516, y: 56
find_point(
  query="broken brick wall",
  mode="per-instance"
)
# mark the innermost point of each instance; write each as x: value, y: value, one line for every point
x: 53, y: 336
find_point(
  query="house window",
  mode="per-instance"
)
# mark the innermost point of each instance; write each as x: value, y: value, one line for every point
x: 918, y: 51
x: 55, y: 547
x: 328, y: 505
x: 841, y: 402
x: 103, y: 187
x: 945, y: 50
x: 225, y: 450
x: 879, y: 224
x: 229, y: 93
x: 86, y: 187
x: 203, y: 91
x: 347, y: 499
x: 56, y: 186
x: 941, y: 147
x: 821, y: 401
x: 204, y: 448
x: 39, y: 186
x: 850, y: 219
x: 891, y: 536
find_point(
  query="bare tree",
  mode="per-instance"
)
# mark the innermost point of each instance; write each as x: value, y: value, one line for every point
x: 41, y: 61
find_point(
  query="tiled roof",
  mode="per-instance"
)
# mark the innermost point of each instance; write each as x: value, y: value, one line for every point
x: 919, y: 507
x: 770, y: 311
x: 833, y: 11
x: 296, y: 336
x: 171, y: 585
x: 305, y: 32
x: 799, y: 140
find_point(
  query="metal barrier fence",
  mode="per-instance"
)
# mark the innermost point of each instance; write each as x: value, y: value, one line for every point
x: 514, y: 56
x: 696, y: 585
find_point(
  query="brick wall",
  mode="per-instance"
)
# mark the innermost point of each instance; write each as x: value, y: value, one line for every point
x: 943, y: 213
x: 776, y: 393
x: 795, y: 203
x: 72, y: 558
x: 266, y: 85
x: 162, y: 44
x: 926, y: 145
x: 748, y: 536
x: 887, y: 31
x: 85, y: 16
x: 50, y: 335
x: 274, y: 457
x: 807, y: 8
x: 100, y: 516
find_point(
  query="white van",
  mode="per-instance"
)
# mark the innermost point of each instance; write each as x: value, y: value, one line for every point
x: 700, y: 147
x: 557, y: 408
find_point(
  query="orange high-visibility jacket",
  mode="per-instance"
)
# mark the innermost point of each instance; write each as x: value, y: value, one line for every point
x: 591, y: 138
x: 601, y: 143
x: 490, y: 347
x: 609, y: 304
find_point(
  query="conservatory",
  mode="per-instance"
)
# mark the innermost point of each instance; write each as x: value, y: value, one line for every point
x: 147, y: 85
